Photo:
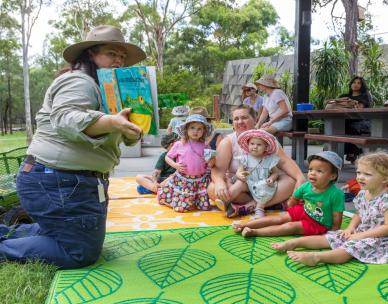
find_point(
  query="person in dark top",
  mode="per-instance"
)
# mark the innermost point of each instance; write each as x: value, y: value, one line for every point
x: 358, y: 90
x: 148, y: 184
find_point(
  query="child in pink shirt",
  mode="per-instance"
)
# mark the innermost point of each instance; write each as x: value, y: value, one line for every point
x: 188, y: 186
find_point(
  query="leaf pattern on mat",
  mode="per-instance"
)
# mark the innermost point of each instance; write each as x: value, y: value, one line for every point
x: 345, y: 222
x: 247, y: 288
x: 335, y: 277
x: 193, y: 235
x: 170, y: 266
x: 251, y: 250
x: 383, y: 289
x: 148, y: 301
x: 85, y: 285
x: 128, y: 243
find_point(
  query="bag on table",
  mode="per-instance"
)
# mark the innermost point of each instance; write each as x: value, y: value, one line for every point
x: 341, y: 103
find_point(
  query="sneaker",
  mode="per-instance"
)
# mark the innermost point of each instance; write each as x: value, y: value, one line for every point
x: 259, y: 213
x: 221, y: 204
x: 142, y: 190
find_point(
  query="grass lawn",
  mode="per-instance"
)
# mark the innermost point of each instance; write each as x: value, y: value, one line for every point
x: 27, y: 283
x: 16, y: 140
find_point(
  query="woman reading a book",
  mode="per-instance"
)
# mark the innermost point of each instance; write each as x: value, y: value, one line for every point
x: 64, y: 179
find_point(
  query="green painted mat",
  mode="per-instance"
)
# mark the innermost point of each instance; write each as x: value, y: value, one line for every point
x: 212, y: 265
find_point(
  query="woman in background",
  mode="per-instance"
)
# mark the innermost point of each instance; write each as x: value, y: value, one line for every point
x: 277, y: 113
x: 358, y: 90
x: 252, y: 99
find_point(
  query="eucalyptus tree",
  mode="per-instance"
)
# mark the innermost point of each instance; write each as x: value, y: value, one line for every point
x: 157, y: 19
x: 79, y: 16
x: 28, y: 11
x: 350, y: 32
x: 221, y: 31
x: 8, y: 61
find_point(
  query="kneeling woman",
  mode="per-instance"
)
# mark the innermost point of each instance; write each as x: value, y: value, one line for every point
x: 63, y: 181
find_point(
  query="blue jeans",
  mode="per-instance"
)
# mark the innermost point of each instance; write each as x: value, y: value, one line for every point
x: 70, y: 219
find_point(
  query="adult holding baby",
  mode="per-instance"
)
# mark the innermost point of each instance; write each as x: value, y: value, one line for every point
x: 63, y: 181
x: 239, y: 200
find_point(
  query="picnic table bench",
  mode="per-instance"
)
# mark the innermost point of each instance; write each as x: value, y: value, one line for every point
x: 334, y: 130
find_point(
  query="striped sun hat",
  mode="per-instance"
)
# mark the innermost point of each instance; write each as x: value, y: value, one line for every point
x: 272, y: 146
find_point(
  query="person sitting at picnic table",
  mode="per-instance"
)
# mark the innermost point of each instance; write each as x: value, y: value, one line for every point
x: 63, y: 181
x: 252, y: 99
x: 358, y: 91
x: 226, y: 166
x: 276, y: 106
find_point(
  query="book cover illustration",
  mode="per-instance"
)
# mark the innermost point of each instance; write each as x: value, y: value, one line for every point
x: 129, y: 88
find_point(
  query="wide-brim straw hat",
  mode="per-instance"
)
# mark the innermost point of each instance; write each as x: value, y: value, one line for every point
x: 268, y: 81
x: 249, y: 85
x: 180, y: 111
x: 201, y: 111
x: 195, y: 118
x: 104, y: 34
x: 269, y: 139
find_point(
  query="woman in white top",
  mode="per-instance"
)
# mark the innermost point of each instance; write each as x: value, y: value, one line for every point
x: 276, y: 106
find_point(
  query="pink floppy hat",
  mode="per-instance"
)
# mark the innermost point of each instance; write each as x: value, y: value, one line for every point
x: 270, y: 140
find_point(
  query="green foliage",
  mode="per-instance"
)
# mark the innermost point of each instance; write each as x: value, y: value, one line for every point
x: 25, y: 283
x: 13, y: 141
x: 261, y: 69
x: 285, y: 83
x: 171, y: 100
x: 331, y: 69
x: 375, y: 71
x: 221, y: 31
x: 180, y: 81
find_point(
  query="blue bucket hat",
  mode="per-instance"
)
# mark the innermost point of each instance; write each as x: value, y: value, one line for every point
x: 195, y: 118
x: 330, y: 156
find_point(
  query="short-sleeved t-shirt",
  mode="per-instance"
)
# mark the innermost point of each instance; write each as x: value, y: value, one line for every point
x: 175, y: 122
x: 191, y: 154
x: 271, y: 102
x: 165, y: 169
x: 320, y: 206
x: 258, y: 103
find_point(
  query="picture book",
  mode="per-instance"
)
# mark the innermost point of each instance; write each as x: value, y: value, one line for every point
x: 129, y: 88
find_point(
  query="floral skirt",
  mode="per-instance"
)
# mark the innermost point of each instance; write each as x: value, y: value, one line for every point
x: 185, y: 192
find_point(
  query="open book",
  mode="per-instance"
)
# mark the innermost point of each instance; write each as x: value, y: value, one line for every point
x: 129, y: 88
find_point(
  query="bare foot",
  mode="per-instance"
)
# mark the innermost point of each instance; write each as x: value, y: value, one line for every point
x: 306, y: 258
x: 283, y: 246
x: 238, y: 227
x: 248, y: 232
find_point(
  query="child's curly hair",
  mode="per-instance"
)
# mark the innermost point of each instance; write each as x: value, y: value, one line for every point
x: 377, y: 160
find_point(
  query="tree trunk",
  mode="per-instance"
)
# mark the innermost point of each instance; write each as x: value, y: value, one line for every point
x: 9, y: 101
x: 159, y: 49
x: 351, y: 11
x: 26, y: 78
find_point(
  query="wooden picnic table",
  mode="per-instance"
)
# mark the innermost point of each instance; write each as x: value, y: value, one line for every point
x: 334, y: 123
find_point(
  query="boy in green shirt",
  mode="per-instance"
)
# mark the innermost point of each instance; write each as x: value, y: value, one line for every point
x: 315, y: 207
x: 148, y: 184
